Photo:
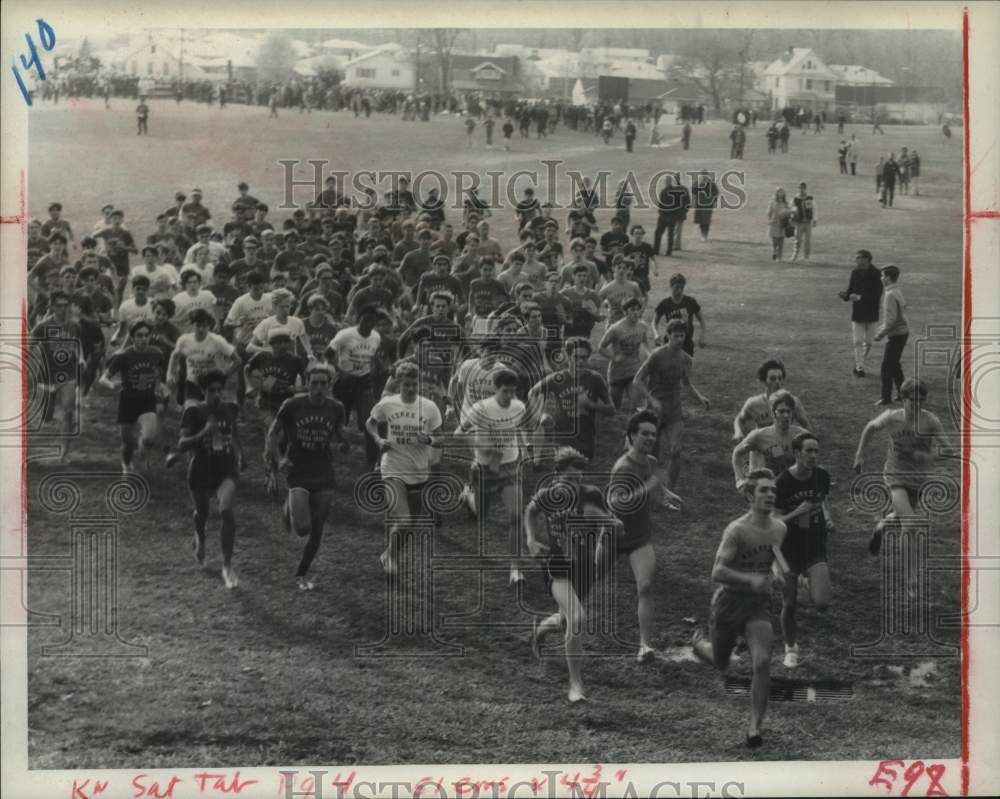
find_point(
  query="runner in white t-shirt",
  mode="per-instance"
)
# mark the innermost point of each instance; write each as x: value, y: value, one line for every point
x: 163, y: 278
x: 352, y: 352
x: 201, y: 351
x: 192, y: 298
x: 497, y: 425
x: 138, y: 308
x: 406, y: 450
x: 281, y: 302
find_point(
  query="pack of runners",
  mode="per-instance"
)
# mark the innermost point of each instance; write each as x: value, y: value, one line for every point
x: 451, y: 352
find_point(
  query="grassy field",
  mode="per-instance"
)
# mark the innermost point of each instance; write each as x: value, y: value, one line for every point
x: 267, y: 675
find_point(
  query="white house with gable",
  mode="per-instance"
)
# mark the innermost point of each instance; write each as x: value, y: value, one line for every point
x: 800, y: 78
x: 385, y: 68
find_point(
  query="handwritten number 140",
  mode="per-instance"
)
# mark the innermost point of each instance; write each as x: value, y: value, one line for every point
x: 47, y: 36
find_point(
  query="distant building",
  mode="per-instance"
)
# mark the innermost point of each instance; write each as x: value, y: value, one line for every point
x: 854, y: 75
x: 384, y: 68
x: 800, y: 78
x: 484, y: 73
x: 344, y: 49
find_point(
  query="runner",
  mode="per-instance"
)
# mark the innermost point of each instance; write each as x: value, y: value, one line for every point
x: 626, y: 346
x: 630, y: 493
x: 300, y: 440
x: 281, y: 303
x: 193, y: 298
x: 659, y: 380
x: 562, y: 523
x: 769, y: 447
x: 198, y: 352
x: 747, y: 570
x: 209, y: 431
x: 55, y: 345
x: 497, y: 425
x: 576, y: 395
x: 678, y: 305
x: 619, y: 290
x: 407, y: 448
x: 353, y: 352
x: 273, y: 375
x: 915, y: 435
x: 141, y: 370
x: 756, y: 411
x: 134, y: 309
x: 801, y: 502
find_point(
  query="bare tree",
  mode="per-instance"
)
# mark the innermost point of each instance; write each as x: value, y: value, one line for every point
x: 712, y: 60
x: 443, y: 41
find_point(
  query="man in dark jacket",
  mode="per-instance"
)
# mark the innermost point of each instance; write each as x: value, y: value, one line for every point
x: 864, y: 291
x: 890, y: 171
x: 673, y: 203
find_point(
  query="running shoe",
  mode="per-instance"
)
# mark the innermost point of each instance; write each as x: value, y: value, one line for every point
x: 229, y: 577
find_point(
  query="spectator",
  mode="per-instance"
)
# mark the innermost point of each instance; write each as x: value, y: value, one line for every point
x: 894, y: 330
x: 864, y: 291
x: 778, y: 218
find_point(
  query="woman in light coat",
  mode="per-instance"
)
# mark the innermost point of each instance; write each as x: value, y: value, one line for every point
x: 778, y: 216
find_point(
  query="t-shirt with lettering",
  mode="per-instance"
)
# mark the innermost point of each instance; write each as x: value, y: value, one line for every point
x: 278, y: 374
x: 912, y: 445
x: 629, y: 499
x: 212, y: 352
x: 407, y: 458
x: 140, y: 371
x: 790, y: 492
x: 566, y: 388
x: 626, y: 343
x: 772, y: 449
x: 754, y: 549
x: 214, y: 455
x: 497, y: 428
x: 431, y: 282
x: 355, y: 353
x: 685, y: 310
x: 562, y: 508
x: 667, y: 371
x: 309, y: 428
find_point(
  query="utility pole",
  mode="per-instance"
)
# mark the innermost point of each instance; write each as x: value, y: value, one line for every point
x: 416, y: 72
x: 181, y: 78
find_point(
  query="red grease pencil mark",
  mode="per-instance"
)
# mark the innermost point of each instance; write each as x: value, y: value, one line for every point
x: 966, y: 399
x: 22, y: 216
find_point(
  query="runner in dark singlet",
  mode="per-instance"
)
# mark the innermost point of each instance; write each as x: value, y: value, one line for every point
x: 563, y: 522
x: 308, y: 424
x: 209, y: 431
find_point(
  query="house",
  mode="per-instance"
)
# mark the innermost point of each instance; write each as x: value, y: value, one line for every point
x: 484, y: 73
x: 800, y: 78
x: 854, y: 75
x: 157, y: 62
x: 344, y: 50
x: 383, y: 68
